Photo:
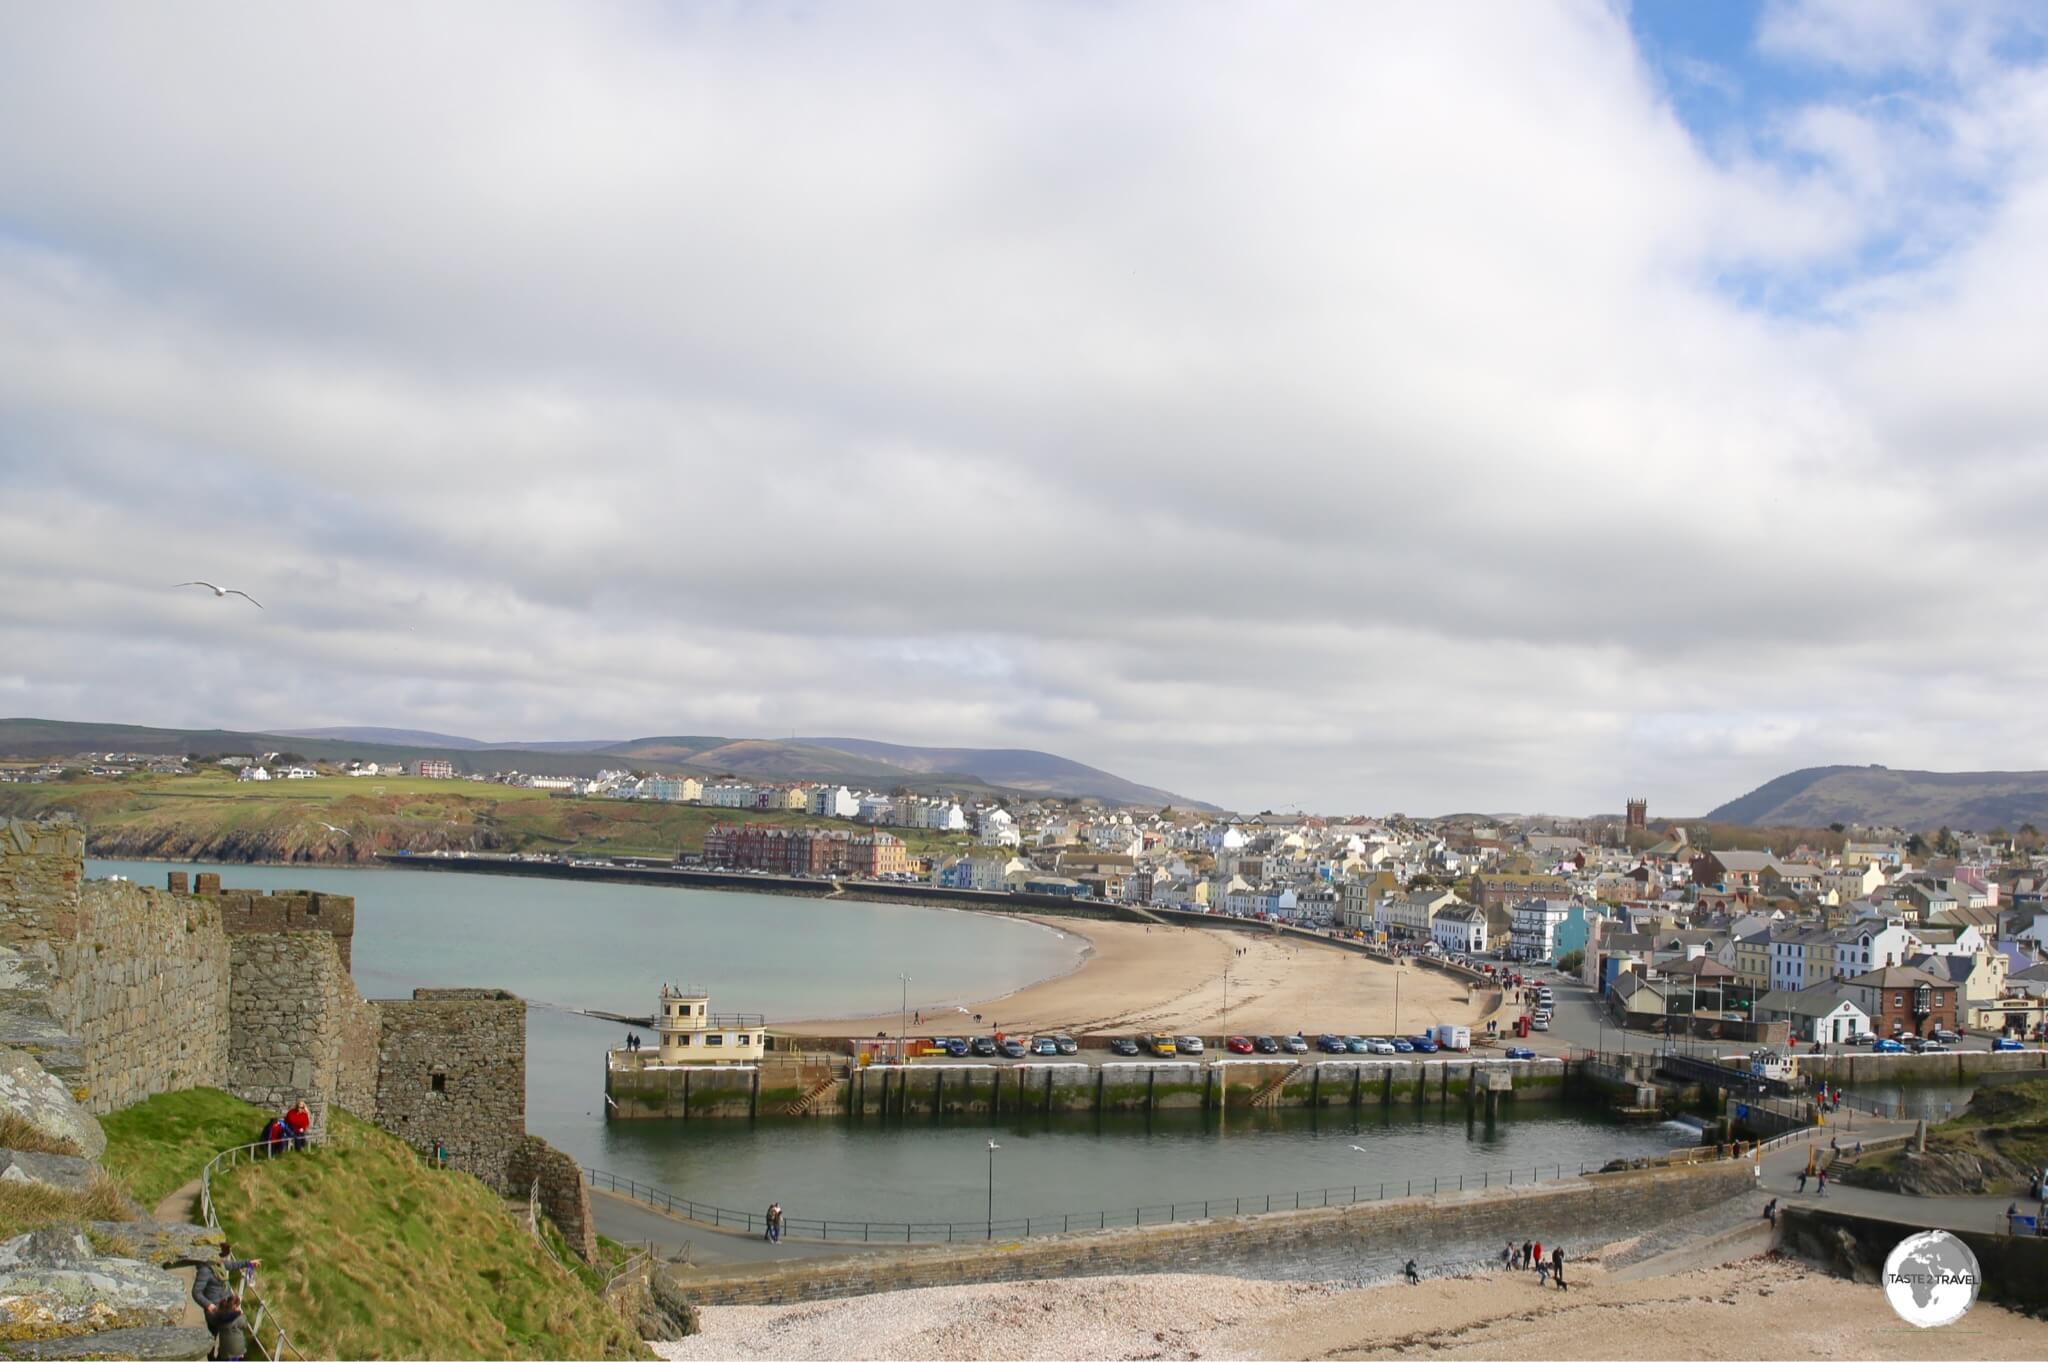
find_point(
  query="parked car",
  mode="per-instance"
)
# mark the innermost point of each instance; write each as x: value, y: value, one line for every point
x: 1238, y: 1045
x: 1123, y: 1045
x: 2006, y: 1043
x: 1188, y: 1045
x: 1520, y: 1052
x: 957, y: 1048
x: 1294, y: 1044
x: 1265, y: 1045
x: 1946, y: 1036
x: 1159, y: 1043
x: 1381, y: 1046
x: 1044, y: 1045
x: 1928, y: 1047
x: 1357, y: 1045
x: 985, y: 1046
x: 1011, y: 1048
x: 1332, y: 1045
x: 1882, y: 1046
x: 1426, y: 1044
x: 1403, y: 1046
x: 1067, y: 1044
x: 1861, y: 1038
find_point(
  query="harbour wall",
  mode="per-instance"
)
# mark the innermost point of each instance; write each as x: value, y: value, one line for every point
x: 1026, y: 1088
x: 1954, y: 1066
x: 1340, y: 1242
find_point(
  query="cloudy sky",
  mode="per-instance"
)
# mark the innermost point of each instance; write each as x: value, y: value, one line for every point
x: 1348, y: 406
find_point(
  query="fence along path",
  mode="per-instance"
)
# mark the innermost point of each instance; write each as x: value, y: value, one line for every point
x: 280, y: 1341
x: 957, y: 1231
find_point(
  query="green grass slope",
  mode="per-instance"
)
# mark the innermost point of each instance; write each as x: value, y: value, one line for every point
x: 210, y: 816
x: 369, y: 1253
x: 156, y: 1147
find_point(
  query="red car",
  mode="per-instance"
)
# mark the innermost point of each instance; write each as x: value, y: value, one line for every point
x: 1238, y: 1045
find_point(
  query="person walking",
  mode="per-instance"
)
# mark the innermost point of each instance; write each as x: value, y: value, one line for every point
x: 1557, y: 1266
x: 1543, y: 1272
x: 1802, y: 1180
x: 774, y: 1219
x: 301, y: 1121
x: 1507, y: 1257
x: 1523, y: 1261
x: 1771, y: 1210
x: 1822, y: 1184
x: 1414, y: 1277
x: 1537, y: 1260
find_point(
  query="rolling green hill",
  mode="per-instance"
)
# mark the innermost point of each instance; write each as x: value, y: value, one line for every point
x: 1914, y: 800
x: 961, y: 772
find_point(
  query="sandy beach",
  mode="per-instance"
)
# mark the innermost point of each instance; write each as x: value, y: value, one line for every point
x: 1140, y: 978
x: 1760, y: 1307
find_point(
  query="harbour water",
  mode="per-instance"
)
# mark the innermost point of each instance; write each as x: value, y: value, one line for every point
x: 564, y: 946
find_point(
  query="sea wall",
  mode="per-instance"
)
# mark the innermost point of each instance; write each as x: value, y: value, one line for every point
x: 1579, y: 1212
x: 1031, y: 1087
x: 1955, y: 1066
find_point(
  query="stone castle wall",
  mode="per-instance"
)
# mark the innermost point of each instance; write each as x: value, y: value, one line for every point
x: 297, y: 1028
x: 451, y: 1074
x: 144, y: 986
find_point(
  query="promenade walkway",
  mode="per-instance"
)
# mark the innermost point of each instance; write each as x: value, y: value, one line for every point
x: 1780, y: 1179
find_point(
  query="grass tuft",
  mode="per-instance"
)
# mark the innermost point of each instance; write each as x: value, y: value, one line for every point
x: 26, y: 1206
x: 18, y: 1133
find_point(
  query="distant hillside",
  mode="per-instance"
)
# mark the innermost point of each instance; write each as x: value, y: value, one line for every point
x: 1038, y: 772
x: 1915, y: 800
x: 966, y: 772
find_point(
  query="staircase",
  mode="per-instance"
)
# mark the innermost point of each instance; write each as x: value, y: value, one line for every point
x: 798, y: 1106
x: 1267, y: 1094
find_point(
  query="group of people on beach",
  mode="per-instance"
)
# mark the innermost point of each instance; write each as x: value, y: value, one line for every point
x: 1530, y: 1255
x: 286, y: 1132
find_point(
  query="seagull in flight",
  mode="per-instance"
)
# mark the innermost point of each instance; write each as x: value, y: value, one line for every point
x: 331, y: 828
x: 226, y: 591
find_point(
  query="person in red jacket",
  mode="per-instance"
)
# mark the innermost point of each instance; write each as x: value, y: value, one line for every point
x: 300, y: 1120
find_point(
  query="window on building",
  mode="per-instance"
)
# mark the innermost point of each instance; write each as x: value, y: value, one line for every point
x: 714, y: 1038
x: 682, y: 1040
x: 439, y: 1082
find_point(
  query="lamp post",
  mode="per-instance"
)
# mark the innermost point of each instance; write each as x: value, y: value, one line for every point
x: 992, y: 1148
x: 903, y: 1019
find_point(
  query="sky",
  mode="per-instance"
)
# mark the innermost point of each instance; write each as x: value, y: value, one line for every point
x: 1356, y: 408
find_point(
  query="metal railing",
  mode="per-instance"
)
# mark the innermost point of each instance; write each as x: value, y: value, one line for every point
x: 280, y: 1340
x: 1164, y: 1213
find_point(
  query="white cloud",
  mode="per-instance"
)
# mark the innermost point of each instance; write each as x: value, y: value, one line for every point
x: 1324, y: 405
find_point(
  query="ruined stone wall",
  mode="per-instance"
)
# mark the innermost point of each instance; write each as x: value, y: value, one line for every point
x: 451, y: 1073
x: 42, y: 866
x: 297, y: 1028
x: 246, y: 911
x: 564, y: 1198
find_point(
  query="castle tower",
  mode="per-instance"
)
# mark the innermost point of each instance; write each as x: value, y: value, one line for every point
x: 1639, y: 813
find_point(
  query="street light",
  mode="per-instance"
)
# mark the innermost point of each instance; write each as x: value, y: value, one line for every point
x: 992, y: 1148
x: 903, y: 1018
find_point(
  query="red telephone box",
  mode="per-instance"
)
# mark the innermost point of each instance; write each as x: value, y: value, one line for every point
x: 1522, y: 1026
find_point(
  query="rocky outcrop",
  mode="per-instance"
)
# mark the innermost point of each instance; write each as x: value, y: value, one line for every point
x: 53, y: 1284
x: 32, y: 1094
x: 62, y: 1171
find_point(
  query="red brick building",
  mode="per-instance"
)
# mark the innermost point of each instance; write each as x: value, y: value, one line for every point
x: 803, y: 851
x: 1902, y: 998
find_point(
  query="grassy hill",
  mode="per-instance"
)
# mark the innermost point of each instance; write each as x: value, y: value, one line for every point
x: 369, y: 1253
x: 210, y: 816
x: 961, y: 772
x: 1914, y: 800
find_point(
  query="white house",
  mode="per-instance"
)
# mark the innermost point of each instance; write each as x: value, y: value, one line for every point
x: 875, y: 808
x: 253, y: 773
x: 1872, y: 943
x: 993, y: 827
x: 1532, y: 928
x: 834, y: 801
x: 1460, y: 929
